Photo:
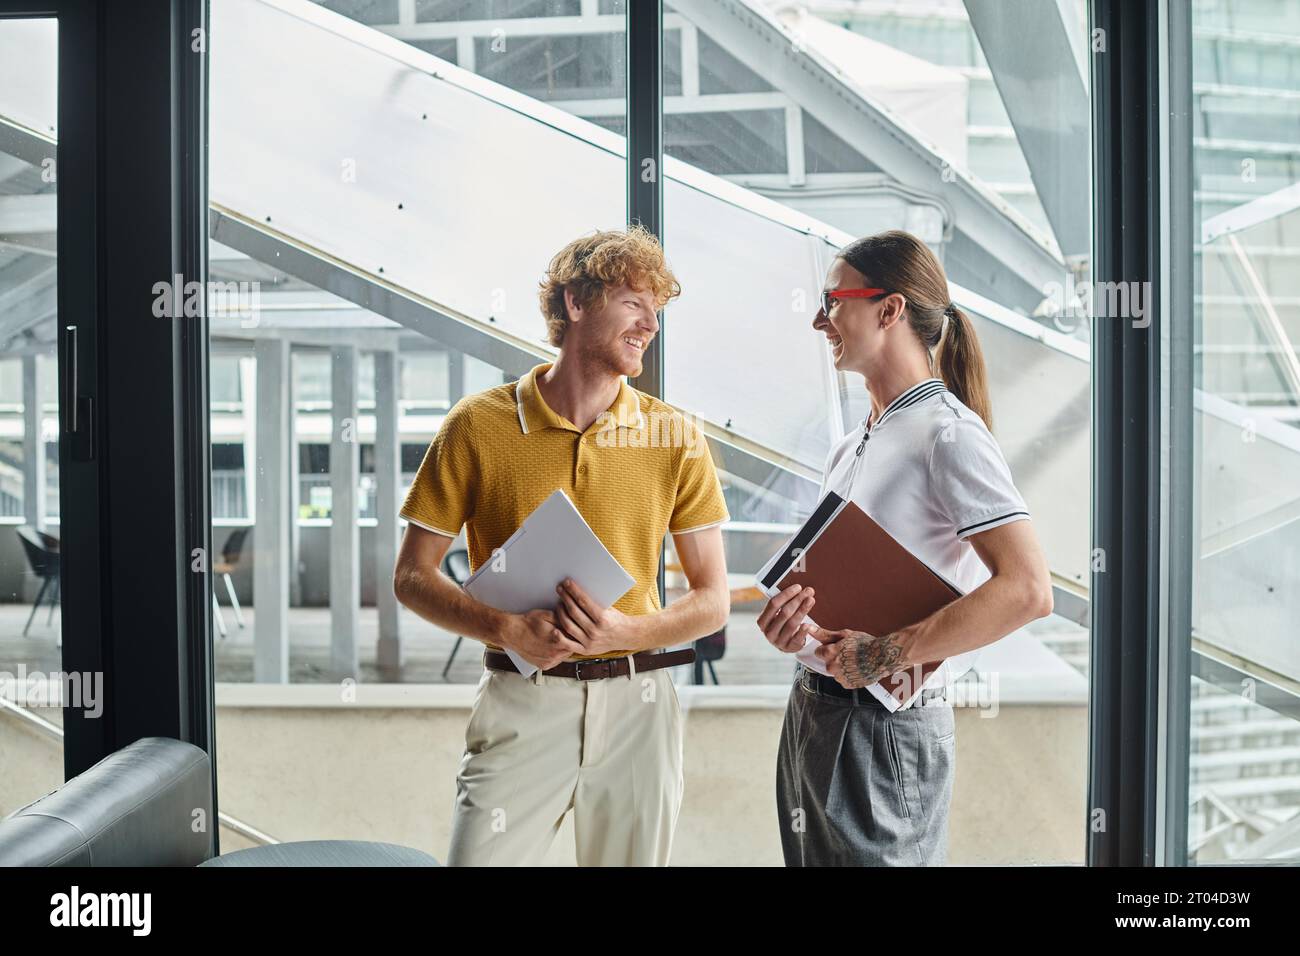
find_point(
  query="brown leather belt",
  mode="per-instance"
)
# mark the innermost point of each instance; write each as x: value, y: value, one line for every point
x: 599, y: 667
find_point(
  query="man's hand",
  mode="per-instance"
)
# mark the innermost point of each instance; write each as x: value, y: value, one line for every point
x: 781, y: 617
x: 536, y: 638
x: 856, y: 658
x: 598, y: 630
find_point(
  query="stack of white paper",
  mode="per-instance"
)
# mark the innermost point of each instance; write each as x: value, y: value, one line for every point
x: 552, y: 544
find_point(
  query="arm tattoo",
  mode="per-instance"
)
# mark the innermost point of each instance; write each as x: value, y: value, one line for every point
x: 867, y: 659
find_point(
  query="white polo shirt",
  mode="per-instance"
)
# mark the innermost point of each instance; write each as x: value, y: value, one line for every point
x: 931, y: 474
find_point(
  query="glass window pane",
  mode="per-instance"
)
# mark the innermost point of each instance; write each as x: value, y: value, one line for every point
x: 380, y: 222
x: 427, y: 206
x: 31, y: 620
x: 364, y: 11
x: 588, y: 66
x: 766, y: 180
x: 752, y: 141
x: 441, y: 11
x: 1244, y: 800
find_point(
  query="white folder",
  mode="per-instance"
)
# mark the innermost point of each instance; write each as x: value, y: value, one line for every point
x: 552, y: 544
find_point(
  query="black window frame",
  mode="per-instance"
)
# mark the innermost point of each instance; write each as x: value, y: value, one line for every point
x: 1142, y: 471
x: 132, y: 211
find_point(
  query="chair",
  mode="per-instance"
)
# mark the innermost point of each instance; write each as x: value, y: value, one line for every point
x: 137, y: 806
x: 42, y: 552
x: 708, y: 649
x: 455, y: 564
x: 712, y: 647
x: 230, y: 558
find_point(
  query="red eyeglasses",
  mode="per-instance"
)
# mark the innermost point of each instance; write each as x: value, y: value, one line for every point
x: 829, y: 297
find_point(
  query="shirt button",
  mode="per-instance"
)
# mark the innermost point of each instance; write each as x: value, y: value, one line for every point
x: 582, y: 469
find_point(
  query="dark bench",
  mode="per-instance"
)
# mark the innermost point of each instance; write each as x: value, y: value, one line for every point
x: 142, y: 806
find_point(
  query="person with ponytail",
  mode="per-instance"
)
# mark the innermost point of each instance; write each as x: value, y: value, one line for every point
x: 858, y: 784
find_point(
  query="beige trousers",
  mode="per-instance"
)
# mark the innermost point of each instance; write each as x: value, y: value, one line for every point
x: 537, y: 747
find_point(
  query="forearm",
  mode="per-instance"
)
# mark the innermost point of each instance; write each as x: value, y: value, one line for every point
x: 986, y: 614
x: 991, y: 611
x: 1018, y: 591
x: 699, y: 612
x: 437, y: 599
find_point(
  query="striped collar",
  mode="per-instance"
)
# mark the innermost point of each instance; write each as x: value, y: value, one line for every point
x: 917, y: 393
x: 535, y: 414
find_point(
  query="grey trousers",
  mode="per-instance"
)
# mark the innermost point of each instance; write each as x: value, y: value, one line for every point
x: 859, y: 786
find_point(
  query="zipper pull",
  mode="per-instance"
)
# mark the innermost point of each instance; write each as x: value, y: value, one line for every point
x: 866, y: 433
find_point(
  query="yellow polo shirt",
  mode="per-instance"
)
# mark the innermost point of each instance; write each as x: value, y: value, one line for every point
x: 642, y: 469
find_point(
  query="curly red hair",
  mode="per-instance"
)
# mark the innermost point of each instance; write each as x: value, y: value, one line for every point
x: 595, y: 264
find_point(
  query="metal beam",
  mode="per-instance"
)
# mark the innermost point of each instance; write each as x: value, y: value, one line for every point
x: 1243, y: 217
x: 295, y: 495
x: 271, y: 554
x: 1142, y: 439
x: 28, y: 214
x: 1047, y: 104
x: 1231, y: 674
x: 26, y: 144
x: 455, y: 376
x: 451, y: 329
x: 10, y: 166
x: 645, y: 164
x: 367, y: 339
x: 388, y: 475
x: 322, y: 317
x: 38, y: 308
x: 34, y: 375
x: 456, y: 330
x: 1121, y: 791
x: 28, y: 295
x: 345, y: 473
x: 645, y: 151
x: 1178, y: 541
x: 756, y: 38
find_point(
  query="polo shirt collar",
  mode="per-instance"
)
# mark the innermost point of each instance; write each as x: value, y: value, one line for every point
x: 535, y: 414
x: 918, y: 392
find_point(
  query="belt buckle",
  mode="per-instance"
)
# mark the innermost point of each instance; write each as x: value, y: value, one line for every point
x: 826, y: 686
x: 579, y: 665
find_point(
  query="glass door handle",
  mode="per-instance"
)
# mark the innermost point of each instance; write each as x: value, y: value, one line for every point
x: 70, y: 379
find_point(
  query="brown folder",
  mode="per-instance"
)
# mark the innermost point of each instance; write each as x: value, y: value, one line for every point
x: 863, y: 578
